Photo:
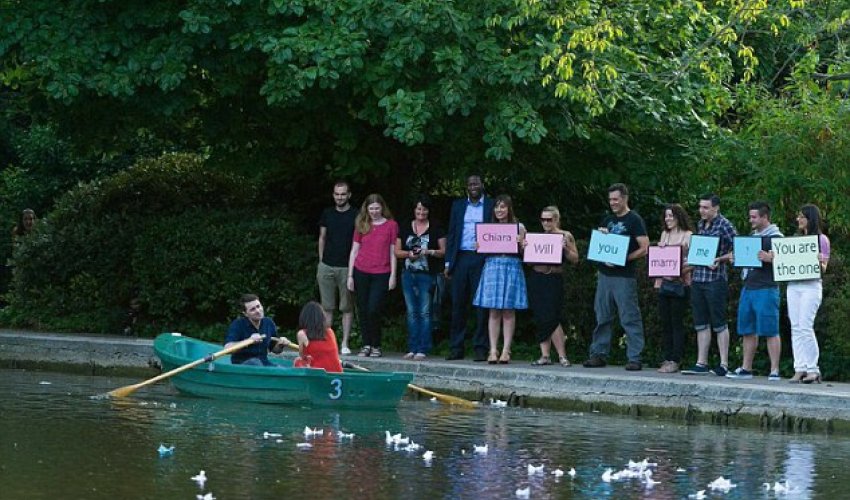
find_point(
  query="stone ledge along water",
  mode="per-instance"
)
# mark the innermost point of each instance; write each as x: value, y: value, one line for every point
x: 694, y: 399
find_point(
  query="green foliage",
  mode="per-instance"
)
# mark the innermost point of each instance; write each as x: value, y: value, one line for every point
x: 166, y: 231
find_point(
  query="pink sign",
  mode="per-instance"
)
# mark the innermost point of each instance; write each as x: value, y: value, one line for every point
x: 543, y: 248
x: 497, y: 238
x: 665, y: 261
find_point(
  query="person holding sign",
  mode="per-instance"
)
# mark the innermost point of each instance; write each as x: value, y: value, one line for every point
x: 673, y: 291
x: 758, y: 307
x: 464, y: 264
x: 804, y: 299
x: 546, y: 290
x: 420, y: 244
x: 502, y: 287
x: 372, y: 268
x: 616, y: 288
x: 710, y: 289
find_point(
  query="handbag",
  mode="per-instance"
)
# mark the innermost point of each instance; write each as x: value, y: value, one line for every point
x: 672, y: 289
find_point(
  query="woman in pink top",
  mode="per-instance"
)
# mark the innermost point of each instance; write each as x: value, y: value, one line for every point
x: 804, y: 298
x: 673, y: 292
x: 372, y: 268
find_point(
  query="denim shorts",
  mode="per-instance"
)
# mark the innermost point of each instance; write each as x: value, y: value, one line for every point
x: 758, y: 312
x: 708, y: 301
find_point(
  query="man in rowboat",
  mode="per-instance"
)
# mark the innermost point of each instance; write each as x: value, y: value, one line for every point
x: 254, y: 325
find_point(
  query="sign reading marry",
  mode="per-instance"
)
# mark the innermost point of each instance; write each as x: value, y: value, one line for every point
x: 543, y: 248
x: 703, y: 250
x: 747, y: 250
x: 795, y: 258
x: 497, y: 238
x: 608, y: 248
x: 665, y: 261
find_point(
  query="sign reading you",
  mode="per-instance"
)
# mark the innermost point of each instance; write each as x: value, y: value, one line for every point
x: 665, y: 261
x: 497, y: 238
x: 608, y: 248
x: 543, y: 248
x: 795, y: 258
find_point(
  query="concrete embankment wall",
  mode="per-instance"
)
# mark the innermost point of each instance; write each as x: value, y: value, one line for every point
x: 611, y: 390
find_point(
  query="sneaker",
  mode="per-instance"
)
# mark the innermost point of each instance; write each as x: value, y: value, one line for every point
x: 365, y: 352
x: 594, y: 362
x: 740, y: 374
x: 409, y: 355
x: 345, y: 351
x: 669, y: 367
x: 720, y: 370
x: 697, y: 369
x: 774, y: 377
x: 419, y: 356
x: 376, y: 352
x: 634, y: 366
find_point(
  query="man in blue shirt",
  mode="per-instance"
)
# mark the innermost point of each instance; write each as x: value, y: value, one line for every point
x: 464, y: 265
x: 254, y: 325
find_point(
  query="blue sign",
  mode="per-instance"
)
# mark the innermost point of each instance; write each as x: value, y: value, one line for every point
x: 608, y: 248
x: 703, y: 250
x: 747, y: 251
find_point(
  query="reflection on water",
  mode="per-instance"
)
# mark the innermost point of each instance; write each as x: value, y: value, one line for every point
x: 58, y: 442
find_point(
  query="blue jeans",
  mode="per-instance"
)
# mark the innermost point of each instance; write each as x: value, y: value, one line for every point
x: 417, y: 297
x: 617, y: 295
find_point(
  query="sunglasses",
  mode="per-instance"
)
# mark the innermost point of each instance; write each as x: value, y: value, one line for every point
x: 546, y: 219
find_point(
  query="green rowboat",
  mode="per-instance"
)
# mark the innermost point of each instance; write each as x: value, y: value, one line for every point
x: 280, y: 383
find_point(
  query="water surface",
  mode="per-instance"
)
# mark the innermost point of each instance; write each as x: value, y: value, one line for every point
x: 56, y: 441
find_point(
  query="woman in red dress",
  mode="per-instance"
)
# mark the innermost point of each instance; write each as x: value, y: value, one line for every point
x: 316, y: 341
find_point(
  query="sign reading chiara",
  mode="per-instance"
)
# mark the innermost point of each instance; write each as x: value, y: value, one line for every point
x: 497, y: 238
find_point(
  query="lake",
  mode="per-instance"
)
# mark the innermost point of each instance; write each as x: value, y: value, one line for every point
x: 57, y: 441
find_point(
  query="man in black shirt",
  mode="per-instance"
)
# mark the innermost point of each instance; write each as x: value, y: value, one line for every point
x: 616, y: 289
x: 336, y: 231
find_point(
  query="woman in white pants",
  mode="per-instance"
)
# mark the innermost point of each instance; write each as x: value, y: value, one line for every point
x: 804, y: 298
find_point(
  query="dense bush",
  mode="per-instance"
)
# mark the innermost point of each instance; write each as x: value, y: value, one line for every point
x: 168, y: 232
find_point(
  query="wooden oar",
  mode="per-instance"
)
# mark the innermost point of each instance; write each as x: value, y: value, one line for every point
x: 446, y: 398
x: 127, y: 390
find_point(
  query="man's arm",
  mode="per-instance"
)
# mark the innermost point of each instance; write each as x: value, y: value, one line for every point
x: 323, y: 234
x: 640, y: 251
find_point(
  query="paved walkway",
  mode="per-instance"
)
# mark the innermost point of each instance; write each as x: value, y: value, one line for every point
x: 690, y: 398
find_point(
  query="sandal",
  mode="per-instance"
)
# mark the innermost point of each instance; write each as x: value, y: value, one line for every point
x: 376, y: 352
x: 564, y: 361
x: 493, y: 358
x: 505, y: 358
x: 541, y: 362
x: 365, y: 352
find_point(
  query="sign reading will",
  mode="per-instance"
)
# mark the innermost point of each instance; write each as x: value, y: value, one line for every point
x: 796, y: 258
x: 608, y: 248
x: 544, y: 248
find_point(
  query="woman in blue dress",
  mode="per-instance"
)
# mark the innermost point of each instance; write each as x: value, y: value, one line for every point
x: 502, y: 287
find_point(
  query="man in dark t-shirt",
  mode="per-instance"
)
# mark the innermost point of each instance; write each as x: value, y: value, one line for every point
x: 616, y: 289
x: 336, y: 230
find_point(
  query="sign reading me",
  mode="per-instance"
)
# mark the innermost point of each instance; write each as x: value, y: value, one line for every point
x: 795, y: 258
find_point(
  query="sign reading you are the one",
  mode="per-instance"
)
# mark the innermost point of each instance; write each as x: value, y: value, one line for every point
x: 795, y: 258
x: 608, y: 248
